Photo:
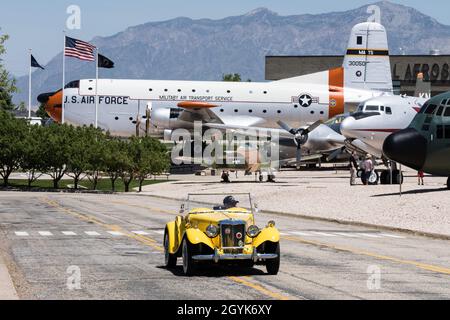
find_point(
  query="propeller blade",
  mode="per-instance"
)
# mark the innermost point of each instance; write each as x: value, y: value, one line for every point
x: 299, y: 157
x: 335, y: 154
x: 286, y: 127
x: 314, y: 126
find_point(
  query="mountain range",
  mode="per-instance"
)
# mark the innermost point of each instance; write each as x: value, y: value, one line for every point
x: 205, y: 49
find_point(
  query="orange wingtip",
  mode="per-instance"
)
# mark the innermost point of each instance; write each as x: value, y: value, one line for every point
x: 196, y: 105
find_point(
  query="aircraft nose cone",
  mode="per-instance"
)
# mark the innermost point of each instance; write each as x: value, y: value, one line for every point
x: 348, y: 127
x: 44, y: 97
x: 407, y: 147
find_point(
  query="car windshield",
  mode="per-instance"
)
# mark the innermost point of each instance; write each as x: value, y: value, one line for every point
x: 220, y: 202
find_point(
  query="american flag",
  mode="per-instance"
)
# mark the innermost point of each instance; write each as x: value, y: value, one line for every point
x: 79, y: 49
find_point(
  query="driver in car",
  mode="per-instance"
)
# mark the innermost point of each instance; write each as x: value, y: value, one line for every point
x: 228, y: 203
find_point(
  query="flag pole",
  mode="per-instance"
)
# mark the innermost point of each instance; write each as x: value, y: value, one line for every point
x: 29, y: 87
x: 96, y: 89
x: 63, y: 81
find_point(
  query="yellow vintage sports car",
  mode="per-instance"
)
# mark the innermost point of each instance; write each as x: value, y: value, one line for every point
x: 225, y: 233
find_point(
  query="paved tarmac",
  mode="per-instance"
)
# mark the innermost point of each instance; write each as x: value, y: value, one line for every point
x: 75, y: 246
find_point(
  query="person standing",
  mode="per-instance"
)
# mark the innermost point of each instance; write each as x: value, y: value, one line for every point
x: 368, y: 169
x: 353, y: 169
x: 421, y: 177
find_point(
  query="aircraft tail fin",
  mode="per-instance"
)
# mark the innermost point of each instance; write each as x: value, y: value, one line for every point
x: 367, y: 63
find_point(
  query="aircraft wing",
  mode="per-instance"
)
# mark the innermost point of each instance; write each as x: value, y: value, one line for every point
x: 198, y: 111
x: 244, y: 130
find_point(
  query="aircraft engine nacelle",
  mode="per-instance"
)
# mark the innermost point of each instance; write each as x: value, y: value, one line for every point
x: 160, y: 118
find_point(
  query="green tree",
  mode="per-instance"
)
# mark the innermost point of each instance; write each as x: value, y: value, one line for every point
x: 236, y: 77
x: 127, y: 161
x: 12, y: 137
x: 112, y: 160
x: 151, y: 159
x: 59, y: 138
x: 78, y: 153
x: 7, y: 84
x: 96, y: 155
x: 34, y: 161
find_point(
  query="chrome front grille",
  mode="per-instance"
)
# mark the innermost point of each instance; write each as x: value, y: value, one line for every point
x: 232, y: 234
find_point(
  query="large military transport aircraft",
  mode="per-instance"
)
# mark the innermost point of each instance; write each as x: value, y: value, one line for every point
x: 425, y: 144
x: 127, y: 107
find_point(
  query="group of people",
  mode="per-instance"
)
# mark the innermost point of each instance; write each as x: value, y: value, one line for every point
x: 367, y: 166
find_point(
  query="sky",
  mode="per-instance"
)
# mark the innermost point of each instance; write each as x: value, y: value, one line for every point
x: 39, y: 24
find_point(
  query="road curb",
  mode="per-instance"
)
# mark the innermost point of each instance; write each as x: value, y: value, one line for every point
x: 7, y: 289
x: 331, y: 220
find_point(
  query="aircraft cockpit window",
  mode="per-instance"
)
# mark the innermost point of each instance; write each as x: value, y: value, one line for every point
x: 444, y: 102
x: 360, y: 108
x: 73, y: 84
x: 440, y: 111
x: 447, y: 112
x: 382, y: 108
x: 431, y: 108
x: 372, y: 108
x: 388, y: 110
x: 425, y: 106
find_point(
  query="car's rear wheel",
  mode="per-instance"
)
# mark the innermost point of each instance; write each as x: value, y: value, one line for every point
x: 273, y: 265
x: 170, y: 260
x: 189, y: 266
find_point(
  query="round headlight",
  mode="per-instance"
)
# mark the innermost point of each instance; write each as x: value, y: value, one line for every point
x: 212, y: 231
x: 253, y: 231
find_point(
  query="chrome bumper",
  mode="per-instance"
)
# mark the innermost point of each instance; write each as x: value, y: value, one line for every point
x: 216, y: 257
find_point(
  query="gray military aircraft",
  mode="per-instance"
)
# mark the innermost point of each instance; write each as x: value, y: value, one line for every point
x: 425, y: 144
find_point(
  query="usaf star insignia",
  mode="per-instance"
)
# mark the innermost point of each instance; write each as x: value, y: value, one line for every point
x: 305, y: 100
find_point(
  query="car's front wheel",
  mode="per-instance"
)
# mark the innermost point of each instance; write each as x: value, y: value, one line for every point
x: 170, y: 260
x: 188, y: 262
x: 273, y: 265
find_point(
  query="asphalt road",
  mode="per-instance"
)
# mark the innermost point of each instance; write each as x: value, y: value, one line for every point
x: 67, y: 246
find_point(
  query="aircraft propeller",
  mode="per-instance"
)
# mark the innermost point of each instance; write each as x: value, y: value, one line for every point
x: 300, y: 136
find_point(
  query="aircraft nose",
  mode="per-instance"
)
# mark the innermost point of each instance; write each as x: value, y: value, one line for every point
x: 348, y: 127
x: 407, y: 147
x: 44, y: 97
x: 53, y: 104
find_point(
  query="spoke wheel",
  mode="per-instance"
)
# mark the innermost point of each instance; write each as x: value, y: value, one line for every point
x: 188, y: 262
x: 273, y: 265
x: 170, y: 260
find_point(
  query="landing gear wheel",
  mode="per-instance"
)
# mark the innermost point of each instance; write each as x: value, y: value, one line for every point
x: 397, y: 178
x: 189, y: 266
x: 271, y: 178
x: 373, y: 179
x: 170, y: 260
x: 261, y: 178
x: 385, y: 177
x: 360, y: 173
x: 448, y: 183
x: 273, y: 265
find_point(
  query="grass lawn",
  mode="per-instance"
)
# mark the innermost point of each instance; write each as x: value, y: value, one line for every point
x: 103, y: 185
